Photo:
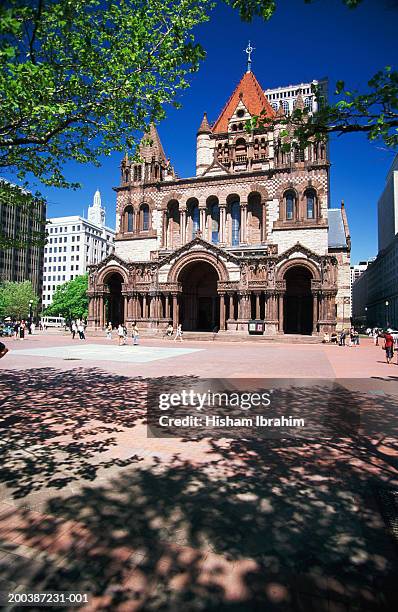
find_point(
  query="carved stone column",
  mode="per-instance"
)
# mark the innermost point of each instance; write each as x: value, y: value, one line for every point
x: 167, y: 305
x: 164, y: 229
x: 144, y: 306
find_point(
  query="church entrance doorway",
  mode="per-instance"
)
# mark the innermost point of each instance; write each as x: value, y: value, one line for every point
x: 200, y: 303
x: 298, y: 302
x: 115, y: 303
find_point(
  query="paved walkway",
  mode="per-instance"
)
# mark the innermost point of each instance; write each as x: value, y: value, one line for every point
x: 88, y: 502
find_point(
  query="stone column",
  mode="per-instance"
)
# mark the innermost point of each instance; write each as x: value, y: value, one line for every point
x: 183, y: 225
x: 257, y: 295
x: 263, y: 222
x: 125, y: 308
x: 243, y: 219
x: 202, y: 220
x: 223, y: 217
x: 315, y: 313
x: 175, y: 310
x: 222, y: 311
x: 231, y: 307
x: 164, y: 229
x: 91, y: 307
x: 280, y: 313
x: 144, y: 306
x: 167, y: 305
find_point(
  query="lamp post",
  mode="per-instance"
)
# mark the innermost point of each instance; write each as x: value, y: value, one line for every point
x: 387, y: 321
x: 30, y: 316
x: 366, y: 315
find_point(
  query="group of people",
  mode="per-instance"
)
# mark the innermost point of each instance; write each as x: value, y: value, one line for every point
x: 122, y: 333
x: 77, y: 327
x: 22, y: 328
x: 346, y: 337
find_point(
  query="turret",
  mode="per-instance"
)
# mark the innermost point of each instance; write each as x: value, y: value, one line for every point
x: 204, y: 146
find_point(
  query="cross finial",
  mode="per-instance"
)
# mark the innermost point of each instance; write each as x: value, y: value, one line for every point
x: 249, y: 50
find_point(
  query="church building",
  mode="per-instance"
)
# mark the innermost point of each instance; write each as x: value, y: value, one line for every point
x: 250, y: 237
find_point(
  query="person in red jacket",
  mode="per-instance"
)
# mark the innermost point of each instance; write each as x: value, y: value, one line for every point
x: 388, y: 346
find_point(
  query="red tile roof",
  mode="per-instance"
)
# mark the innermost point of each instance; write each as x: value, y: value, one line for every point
x: 252, y: 95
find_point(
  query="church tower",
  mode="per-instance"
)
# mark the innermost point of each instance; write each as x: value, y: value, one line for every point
x: 96, y: 212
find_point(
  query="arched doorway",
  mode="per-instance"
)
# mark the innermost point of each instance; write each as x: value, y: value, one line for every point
x: 115, y: 303
x: 298, y: 303
x: 200, y: 303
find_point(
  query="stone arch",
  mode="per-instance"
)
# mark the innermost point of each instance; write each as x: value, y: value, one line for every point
x: 105, y: 274
x: 298, y: 262
x: 173, y: 195
x: 197, y: 256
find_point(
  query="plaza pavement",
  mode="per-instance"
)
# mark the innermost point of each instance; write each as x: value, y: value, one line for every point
x: 89, y: 503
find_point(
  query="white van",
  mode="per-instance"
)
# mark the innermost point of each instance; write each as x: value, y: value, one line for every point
x: 52, y: 321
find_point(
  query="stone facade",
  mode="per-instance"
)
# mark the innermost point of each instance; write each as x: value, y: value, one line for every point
x: 247, y: 238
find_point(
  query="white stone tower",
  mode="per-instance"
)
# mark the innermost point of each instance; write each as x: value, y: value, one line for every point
x: 96, y: 213
x: 204, y: 147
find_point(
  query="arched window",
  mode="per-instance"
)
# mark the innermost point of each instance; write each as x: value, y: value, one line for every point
x: 290, y: 205
x: 145, y: 217
x: 274, y: 106
x: 240, y: 150
x: 195, y: 219
x: 308, y: 104
x: 285, y: 105
x: 129, y: 219
x: 310, y: 206
x: 235, y: 217
x: 215, y: 223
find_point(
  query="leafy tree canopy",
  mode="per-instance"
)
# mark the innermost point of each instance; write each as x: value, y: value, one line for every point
x: 15, y: 298
x: 70, y: 299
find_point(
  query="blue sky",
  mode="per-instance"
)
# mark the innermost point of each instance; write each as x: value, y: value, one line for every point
x: 299, y: 43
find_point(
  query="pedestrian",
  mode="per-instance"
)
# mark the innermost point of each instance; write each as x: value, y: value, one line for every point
x: 73, y: 329
x: 388, y: 346
x: 342, y: 338
x: 121, y: 336
x: 32, y: 328
x: 170, y: 330
x: 16, y: 330
x: 376, y: 336
x: 178, y: 333
x: 135, y: 334
x: 109, y: 331
x: 80, y: 329
x: 22, y: 329
x: 3, y: 350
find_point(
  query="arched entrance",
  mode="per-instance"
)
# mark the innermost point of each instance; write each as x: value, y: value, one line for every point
x: 298, y: 302
x: 200, y: 303
x: 115, y: 302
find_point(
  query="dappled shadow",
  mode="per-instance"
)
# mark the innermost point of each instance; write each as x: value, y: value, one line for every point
x: 240, y: 524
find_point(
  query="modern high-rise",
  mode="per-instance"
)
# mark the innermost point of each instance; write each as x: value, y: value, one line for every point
x: 73, y: 244
x: 287, y: 96
x: 375, y: 292
x: 22, y: 234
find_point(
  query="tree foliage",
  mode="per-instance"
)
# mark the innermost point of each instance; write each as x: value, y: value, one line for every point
x: 70, y: 299
x: 15, y: 298
x: 79, y: 78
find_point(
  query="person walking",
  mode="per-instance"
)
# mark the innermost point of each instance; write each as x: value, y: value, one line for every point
x: 178, y: 333
x: 376, y: 336
x: 73, y: 330
x: 388, y: 346
x: 80, y: 329
x: 135, y: 334
x: 32, y: 328
x: 22, y: 329
x: 109, y: 331
x: 342, y: 338
x: 16, y: 330
x: 120, y: 333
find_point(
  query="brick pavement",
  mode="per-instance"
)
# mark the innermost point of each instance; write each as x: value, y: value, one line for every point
x: 87, y: 501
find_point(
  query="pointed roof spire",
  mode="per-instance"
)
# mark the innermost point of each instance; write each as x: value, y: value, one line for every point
x: 299, y: 104
x: 252, y: 95
x: 151, y: 146
x: 249, y: 50
x: 204, y: 127
x: 97, y: 199
x: 281, y: 111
